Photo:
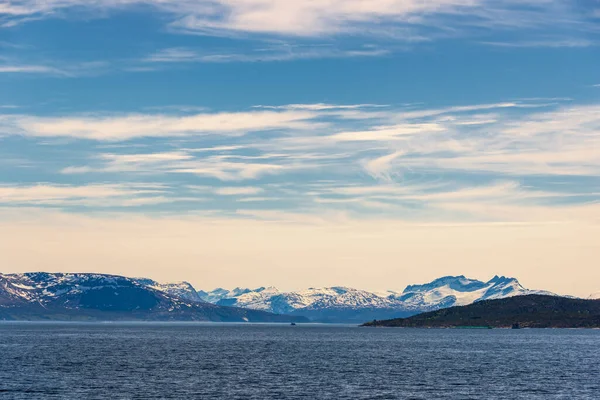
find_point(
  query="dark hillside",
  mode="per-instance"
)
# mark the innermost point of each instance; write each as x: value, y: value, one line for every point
x: 532, y: 311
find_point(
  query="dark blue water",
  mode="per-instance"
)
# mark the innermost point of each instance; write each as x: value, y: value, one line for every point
x: 187, y: 361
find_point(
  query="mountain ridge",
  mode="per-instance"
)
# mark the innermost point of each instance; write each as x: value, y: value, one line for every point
x: 329, y: 304
x: 88, y: 296
x: 322, y: 304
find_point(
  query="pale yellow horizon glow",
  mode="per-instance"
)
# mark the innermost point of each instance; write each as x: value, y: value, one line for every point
x: 296, y: 253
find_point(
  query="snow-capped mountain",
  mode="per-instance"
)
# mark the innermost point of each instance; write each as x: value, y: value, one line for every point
x: 347, y: 304
x: 183, y: 290
x: 270, y: 299
x: 459, y: 291
x: 99, y: 296
x: 219, y: 294
x: 108, y: 297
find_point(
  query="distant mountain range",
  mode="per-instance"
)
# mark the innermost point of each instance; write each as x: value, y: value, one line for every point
x: 45, y: 296
x: 342, y: 304
x: 531, y: 311
x: 98, y: 296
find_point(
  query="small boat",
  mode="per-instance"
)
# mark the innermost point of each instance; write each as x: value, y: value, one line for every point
x: 516, y: 326
x: 293, y: 324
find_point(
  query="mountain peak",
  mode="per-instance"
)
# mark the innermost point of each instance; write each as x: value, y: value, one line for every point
x: 502, y: 279
x: 459, y: 282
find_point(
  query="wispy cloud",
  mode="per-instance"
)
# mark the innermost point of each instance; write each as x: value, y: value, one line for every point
x: 31, y: 69
x: 116, y: 128
x: 97, y: 195
x: 380, y: 167
x: 400, y: 20
x: 398, y: 163
x: 238, y: 191
x: 555, y: 43
x: 374, y: 17
x: 322, y: 106
x: 273, y: 53
x: 513, y: 140
x: 57, y: 69
x: 222, y: 167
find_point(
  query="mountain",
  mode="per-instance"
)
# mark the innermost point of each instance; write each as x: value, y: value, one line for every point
x: 458, y: 290
x: 219, y: 294
x: 530, y: 311
x: 183, y: 290
x: 334, y: 304
x: 98, y: 296
x: 58, y: 296
x: 342, y: 304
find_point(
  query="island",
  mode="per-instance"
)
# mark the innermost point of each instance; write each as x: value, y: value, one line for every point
x: 530, y: 311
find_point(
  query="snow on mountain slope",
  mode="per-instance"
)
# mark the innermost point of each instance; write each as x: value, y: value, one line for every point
x: 440, y: 293
x: 270, y: 299
x: 60, y: 296
x: 333, y: 304
x: 219, y: 294
x: 459, y: 291
x: 183, y: 290
x: 42, y: 287
x: 78, y: 291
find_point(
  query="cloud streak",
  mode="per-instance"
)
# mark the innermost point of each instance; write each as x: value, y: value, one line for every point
x: 118, y: 128
x: 401, y: 20
x: 97, y: 195
x: 277, y: 53
x: 422, y: 163
x: 31, y: 69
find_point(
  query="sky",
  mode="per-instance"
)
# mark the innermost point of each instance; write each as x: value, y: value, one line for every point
x: 363, y: 143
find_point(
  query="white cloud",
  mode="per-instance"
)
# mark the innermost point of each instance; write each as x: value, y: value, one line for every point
x: 140, y: 162
x: 396, y: 19
x: 174, y: 54
x: 558, y: 141
x: 388, y: 133
x: 553, y: 43
x: 432, y: 166
x: 215, y: 166
x: 309, y: 18
x: 379, y: 167
x: 49, y: 194
x: 273, y: 53
x: 424, y: 113
x: 323, y: 106
x: 518, y: 139
x: 30, y: 69
x: 220, y: 168
x: 443, y: 196
x: 238, y: 191
x: 57, y: 69
x: 117, y: 128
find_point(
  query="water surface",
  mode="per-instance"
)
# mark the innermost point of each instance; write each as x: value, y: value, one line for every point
x: 156, y: 361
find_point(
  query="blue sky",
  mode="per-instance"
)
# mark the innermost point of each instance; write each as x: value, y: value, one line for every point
x: 333, y: 113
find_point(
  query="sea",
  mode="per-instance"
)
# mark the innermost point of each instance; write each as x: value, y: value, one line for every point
x: 265, y: 361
